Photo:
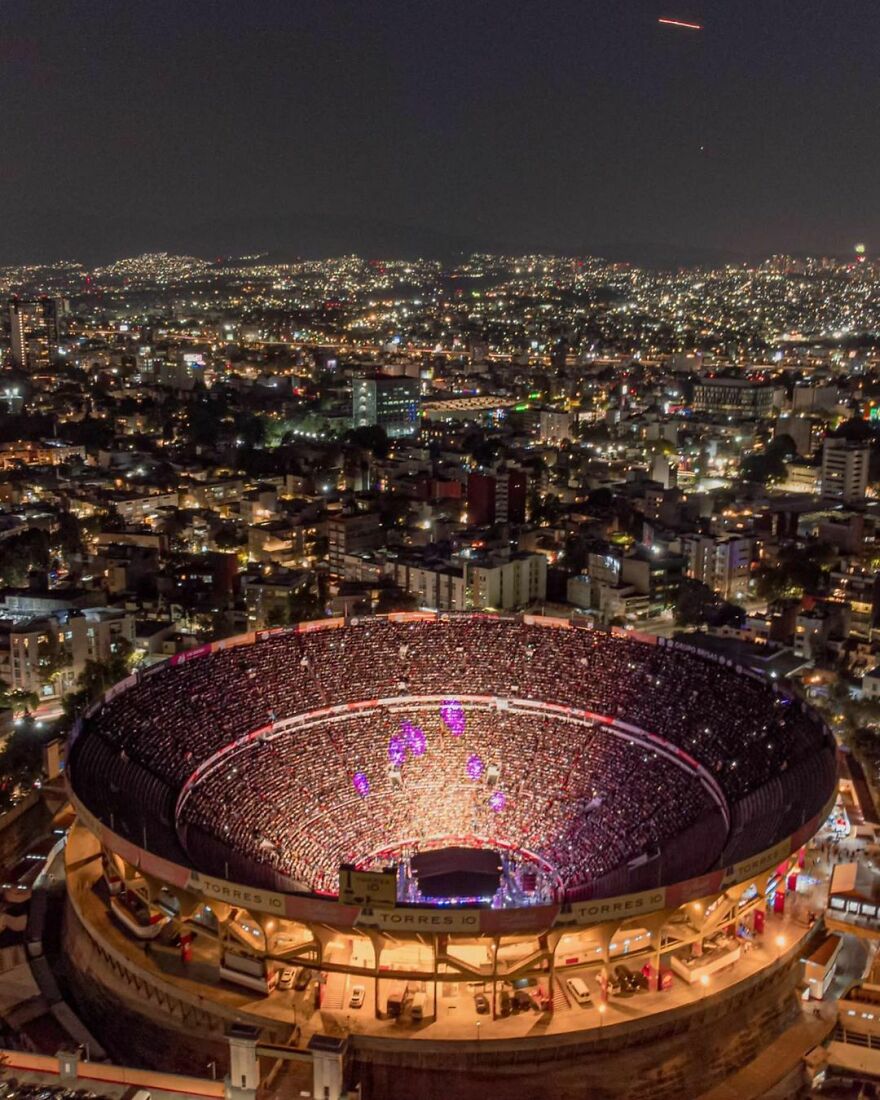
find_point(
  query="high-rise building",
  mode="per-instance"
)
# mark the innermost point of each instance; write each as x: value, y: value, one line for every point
x: 36, y: 329
x: 723, y: 563
x: 844, y: 470
x: 390, y: 403
x: 496, y: 498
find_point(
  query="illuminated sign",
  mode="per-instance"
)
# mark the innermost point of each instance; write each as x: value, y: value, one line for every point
x: 373, y: 888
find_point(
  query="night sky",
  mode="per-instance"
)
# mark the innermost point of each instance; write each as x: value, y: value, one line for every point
x: 404, y: 126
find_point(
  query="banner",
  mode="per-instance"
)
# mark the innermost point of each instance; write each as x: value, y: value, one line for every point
x: 756, y: 865
x: 602, y: 909
x: 421, y: 920
x: 250, y: 897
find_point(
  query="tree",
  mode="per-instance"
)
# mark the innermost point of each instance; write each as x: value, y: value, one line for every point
x: 695, y: 602
x: 20, y: 554
x: 545, y: 509
x: 371, y: 437
x: 228, y: 538
x: 763, y: 468
x: 393, y: 599
x: 99, y: 676
x: 53, y: 658
x: 17, y: 700
x: 393, y: 510
x: 798, y: 569
x: 69, y: 534
x: 783, y: 446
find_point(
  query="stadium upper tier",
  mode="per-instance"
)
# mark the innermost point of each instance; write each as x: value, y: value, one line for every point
x: 619, y: 764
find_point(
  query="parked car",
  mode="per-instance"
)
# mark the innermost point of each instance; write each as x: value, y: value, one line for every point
x: 285, y: 978
x: 358, y: 993
x: 481, y: 1003
x: 303, y: 977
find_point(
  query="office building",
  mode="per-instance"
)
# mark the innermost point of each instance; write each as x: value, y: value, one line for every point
x: 389, y: 403
x: 736, y: 397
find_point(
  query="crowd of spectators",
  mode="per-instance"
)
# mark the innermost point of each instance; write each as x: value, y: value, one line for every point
x: 300, y: 785
x: 579, y: 797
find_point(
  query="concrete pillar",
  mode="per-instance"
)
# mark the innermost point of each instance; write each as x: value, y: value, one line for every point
x: 328, y: 1066
x: 496, y: 943
x: 378, y: 947
x: 244, y: 1070
x: 68, y: 1067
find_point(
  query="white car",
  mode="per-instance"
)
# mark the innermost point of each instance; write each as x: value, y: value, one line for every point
x: 285, y: 978
x: 358, y: 993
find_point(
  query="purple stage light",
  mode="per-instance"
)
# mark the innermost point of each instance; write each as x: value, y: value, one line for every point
x: 413, y: 737
x: 498, y: 801
x: 474, y: 767
x: 361, y: 784
x: 396, y: 751
x: 452, y: 713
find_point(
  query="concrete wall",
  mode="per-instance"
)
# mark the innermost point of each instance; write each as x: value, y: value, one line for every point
x: 676, y: 1058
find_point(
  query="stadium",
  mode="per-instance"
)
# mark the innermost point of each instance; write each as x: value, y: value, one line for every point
x: 421, y: 806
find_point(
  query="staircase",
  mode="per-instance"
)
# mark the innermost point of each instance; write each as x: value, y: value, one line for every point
x: 560, y: 996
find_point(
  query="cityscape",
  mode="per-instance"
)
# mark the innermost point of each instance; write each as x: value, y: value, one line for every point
x: 439, y: 552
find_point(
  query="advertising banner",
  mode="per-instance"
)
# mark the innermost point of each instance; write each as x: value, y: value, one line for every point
x: 620, y: 908
x: 422, y: 920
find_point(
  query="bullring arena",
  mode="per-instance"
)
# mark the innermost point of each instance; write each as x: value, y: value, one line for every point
x: 481, y: 848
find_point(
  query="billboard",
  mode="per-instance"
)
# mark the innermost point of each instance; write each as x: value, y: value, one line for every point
x: 378, y: 889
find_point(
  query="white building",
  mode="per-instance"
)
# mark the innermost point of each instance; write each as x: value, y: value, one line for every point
x: 723, y: 563
x: 508, y: 584
x: 844, y: 470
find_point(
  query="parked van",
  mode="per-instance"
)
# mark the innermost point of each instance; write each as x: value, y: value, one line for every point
x: 396, y: 997
x: 577, y: 988
x: 418, y: 1006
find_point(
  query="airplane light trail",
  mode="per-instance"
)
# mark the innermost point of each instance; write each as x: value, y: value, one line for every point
x: 681, y: 23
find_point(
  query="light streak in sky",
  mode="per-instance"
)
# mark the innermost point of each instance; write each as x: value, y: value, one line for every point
x: 681, y: 23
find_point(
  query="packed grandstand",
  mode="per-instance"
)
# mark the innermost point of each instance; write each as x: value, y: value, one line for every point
x: 610, y: 763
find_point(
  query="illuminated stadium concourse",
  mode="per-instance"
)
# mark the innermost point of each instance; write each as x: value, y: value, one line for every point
x: 418, y: 811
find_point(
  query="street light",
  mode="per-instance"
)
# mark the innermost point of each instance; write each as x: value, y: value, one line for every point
x: 603, y: 1008
x: 704, y: 982
x: 780, y: 943
x: 478, y: 1030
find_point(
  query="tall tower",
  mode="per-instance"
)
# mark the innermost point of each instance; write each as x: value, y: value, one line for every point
x: 36, y: 328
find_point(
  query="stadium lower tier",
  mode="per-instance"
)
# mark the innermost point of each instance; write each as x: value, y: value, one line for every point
x: 690, y: 991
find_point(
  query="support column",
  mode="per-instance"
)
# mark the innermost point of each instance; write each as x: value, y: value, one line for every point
x: 496, y: 943
x: 244, y: 1069
x: 434, y: 975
